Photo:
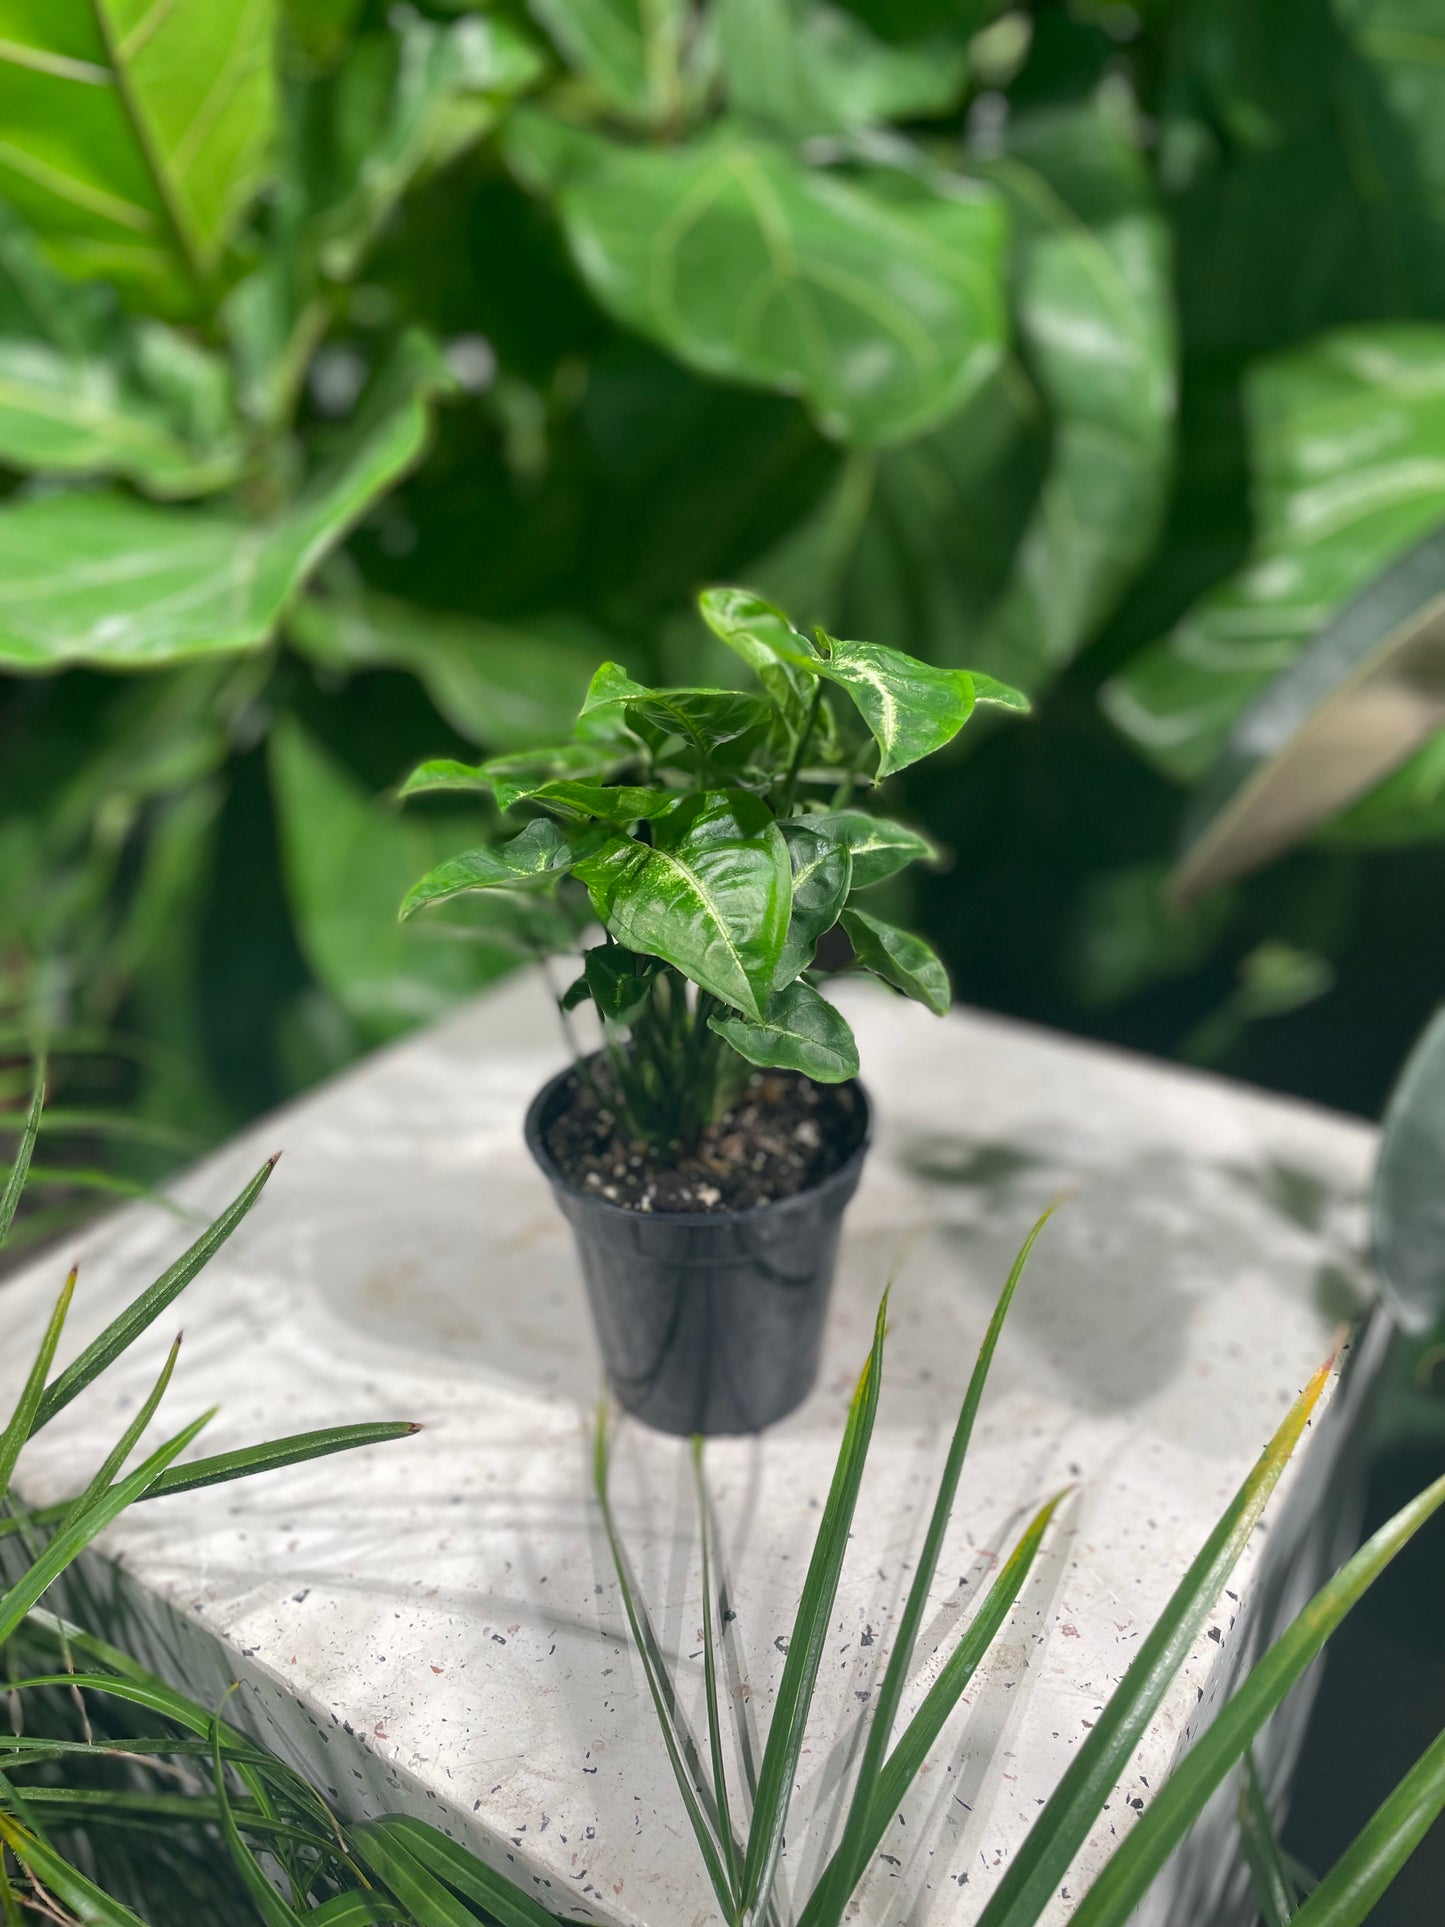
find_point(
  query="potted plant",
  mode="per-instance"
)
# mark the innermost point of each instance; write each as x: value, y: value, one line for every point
x: 705, y: 1154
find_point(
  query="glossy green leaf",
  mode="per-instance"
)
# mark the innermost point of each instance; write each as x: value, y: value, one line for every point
x: 620, y: 803
x: 508, y: 1904
x: 1032, y: 1877
x: 359, y: 1910
x: 1094, y: 296
x: 106, y: 580
x: 899, y: 958
x: 703, y: 718
x: 875, y: 297
x: 513, y: 778
x: 1351, y: 1890
x: 811, y: 1628
x: 631, y: 51
x: 126, y: 1444
x: 762, y: 635
x: 389, y: 1857
x: 88, y: 1903
x: 499, y: 686
x: 806, y: 67
x: 86, y: 390
x: 24, y: 1151
x: 1362, y: 697
x: 1118, y: 1889
x: 711, y: 894
x: 610, y: 691
x: 799, y: 1031
x: 879, y: 849
x: 1408, y: 1206
x: 143, y: 1310
x: 22, y: 1420
x: 1347, y: 457
x: 620, y: 983
x: 535, y: 858
x: 135, y: 137
x: 911, y: 708
x: 822, y: 878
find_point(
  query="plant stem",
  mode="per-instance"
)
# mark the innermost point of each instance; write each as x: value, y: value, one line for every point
x: 805, y: 736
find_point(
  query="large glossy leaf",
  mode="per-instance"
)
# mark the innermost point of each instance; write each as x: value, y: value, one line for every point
x: 799, y: 1031
x: 900, y: 959
x: 502, y: 687
x: 617, y: 803
x: 822, y: 878
x: 703, y: 718
x: 710, y: 894
x: 1092, y: 289
x: 875, y: 297
x: 1408, y: 1215
x: 533, y: 859
x: 878, y: 849
x: 911, y: 708
x: 135, y: 134
x: 106, y: 580
x: 86, y: 390
x: 1347, y: 448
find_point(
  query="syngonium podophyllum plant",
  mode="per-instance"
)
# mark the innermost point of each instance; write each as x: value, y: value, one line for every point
x: 719, y: 836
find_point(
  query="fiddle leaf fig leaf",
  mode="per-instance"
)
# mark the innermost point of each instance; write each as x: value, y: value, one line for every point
x: 799, y: 1031
x: 879, y: 849
x: 711, y: 894
x: 135, y: 137
x: 822, y: 876
x: 619, y: 981
x: 874, y: 295
x: 899, y: 958
x: 1408, y: 1209
x: 535, y: 858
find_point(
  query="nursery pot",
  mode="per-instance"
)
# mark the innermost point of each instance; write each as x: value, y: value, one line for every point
x: 709, y: 1322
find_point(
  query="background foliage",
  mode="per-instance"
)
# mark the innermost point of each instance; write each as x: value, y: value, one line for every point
x: 367, y: 373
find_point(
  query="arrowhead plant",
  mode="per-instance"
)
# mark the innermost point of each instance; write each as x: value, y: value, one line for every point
x: 717, y: 837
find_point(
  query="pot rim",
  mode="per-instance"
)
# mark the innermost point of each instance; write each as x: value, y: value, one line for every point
x: 542, y: 1157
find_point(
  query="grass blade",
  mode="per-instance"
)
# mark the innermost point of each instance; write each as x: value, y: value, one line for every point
x: 1117, y: 1891
x: 125, y: 1445
x: 144, y: 1310
x: 502, y: 1898
x: 709, y: 1667
x: 1273, y: 1889
x: 23, y: 1419
x: 810, y: 1630
x: 358, y: 1910
x: 74, y: 1538
x: 119, y: 1806
x: 110, y: 1183
x: 272, y: 1906
x: 1059, y: 1831
x: 900, y: 1659
x: 413, y: 1885
x: 15, y: 1183
x: 864, y: 1830
x: 1350, y: 1890
x: 84, y: 1899
x: 696, y: 1795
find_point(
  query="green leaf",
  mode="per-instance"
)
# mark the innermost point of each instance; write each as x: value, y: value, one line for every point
x: 822, y: 878
x: 1408, y: 807
x: 109, y: 581
x: 85, y: 390
x: 1362, y: 697
x: 704, y: 718
x: 87, y: 1902
x: 126, y: 1444
x: 135, y: 138
x: 507, y: 1903
x: 22, y: 1420
x: 1127, y: 1874
x: 710, y: 895
x: 731, y: 1852
x: 899, y: 958
x: 1032, y: 1877
x: 630, y: 50
x: 389, y: 1856
x: 536, y: 857
x: 1273, y: 1889
x: 1094, y: 297
x: 1350, y: 1891
x: 358, y: 1910
x: 879, y: 849
x: 811, y: 1628
x: 805, y: 67
x: 1408, y: 1206
x: 348, y: 861
x: 268, y: 1902
x: 799, y: 1031
x: 504, y: 687
x: 24, y: 1151
x: 911, y: 708
x: 517, y: 777
x: 610, y: 690
x: 604, y: 803
x: 873, y: 296
x: 620, y: 983
x: 762, y: 635
x: 1347, y: 460
x: 142, y: 1311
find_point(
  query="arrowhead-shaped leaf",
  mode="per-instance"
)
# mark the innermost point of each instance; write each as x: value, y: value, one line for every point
x: 534, y: 858
x: 710, y: 894
x: 762, y: 635
x: 879, y: 849
x: 704, y: 718
x: 911, y: 708
x: 606, y: 803
x: 512, y: 778
x: 799, y: 1031
x: 822, y: 876
x: 900, y: 958
x: 619, y: 980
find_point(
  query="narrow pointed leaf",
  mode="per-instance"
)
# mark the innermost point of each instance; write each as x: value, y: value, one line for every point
x: 273, y: 1908
x: 1350, y: 1891
x: 533, y: 859
x: 15, y: 1184
x: 900, y: 958
x: 123, y: 1330
x: 799, y: 1031
x: 358, y: 1910
x: 508, y: 1903
x: 1273, y: 1889
x: 23, y: 1418
x: 126, y: 1444
x: 709, y: 1655
x: 822, y: 878
x: 87, y: 1902
x: 879, y: 849
x: 1032, y: 1877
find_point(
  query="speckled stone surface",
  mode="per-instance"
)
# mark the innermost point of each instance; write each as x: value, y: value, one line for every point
x: 434, y: 1625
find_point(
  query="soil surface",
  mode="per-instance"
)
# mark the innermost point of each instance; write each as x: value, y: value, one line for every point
x: 784, y: 1134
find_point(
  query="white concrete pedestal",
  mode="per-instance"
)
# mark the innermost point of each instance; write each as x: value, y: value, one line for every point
x: 434, y: 1625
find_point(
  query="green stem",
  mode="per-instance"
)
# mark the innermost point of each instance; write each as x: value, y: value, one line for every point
x: 805, y: 736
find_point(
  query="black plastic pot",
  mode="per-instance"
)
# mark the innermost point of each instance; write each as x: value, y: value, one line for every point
x: 709, y: 1322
